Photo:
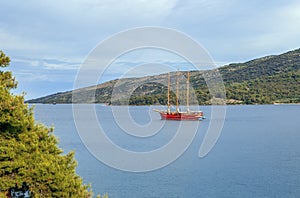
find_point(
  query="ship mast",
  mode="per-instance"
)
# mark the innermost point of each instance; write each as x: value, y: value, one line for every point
x: 188, y: 92
x: 177, y: 91
x: 168, y: 102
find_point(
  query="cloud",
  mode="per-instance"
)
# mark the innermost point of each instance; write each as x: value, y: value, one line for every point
x: 60, y: 65
x: 29, y: 62
x: 11, y: 41
x: 72, y: 28
x: 110, y: 10
x: 49, y: 64
x: 270, y: 30
x: 234, y: 31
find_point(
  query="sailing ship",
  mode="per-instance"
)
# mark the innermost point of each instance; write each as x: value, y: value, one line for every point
x: 177, y: 114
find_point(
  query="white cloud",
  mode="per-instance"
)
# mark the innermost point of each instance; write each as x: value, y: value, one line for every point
x: 104, y: 13
x: 61, y: 65
x: 72, y: 28
x: 12, y: 41
x: 275, y: 29
x: 32, y: 77
x: 29, y: 62
x: 234, y: 31
x: 49, y: 64
x: 145, y: 9
x: 289, y: 23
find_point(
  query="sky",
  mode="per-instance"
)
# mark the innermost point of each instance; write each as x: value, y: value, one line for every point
x: 49, y: 40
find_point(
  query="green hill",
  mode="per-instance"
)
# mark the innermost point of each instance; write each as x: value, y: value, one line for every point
x: 266, y: 80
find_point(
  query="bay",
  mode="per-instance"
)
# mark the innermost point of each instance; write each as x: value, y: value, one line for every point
x: 257, y: 154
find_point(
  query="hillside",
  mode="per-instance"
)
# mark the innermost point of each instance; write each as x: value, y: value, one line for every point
x: 266, y: 80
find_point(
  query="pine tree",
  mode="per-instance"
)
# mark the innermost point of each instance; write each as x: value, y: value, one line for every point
x: 29, y: 151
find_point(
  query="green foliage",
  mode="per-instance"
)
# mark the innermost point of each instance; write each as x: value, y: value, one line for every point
x: 281, y: 88
x: 104, y: 196
x: 4, y: 60
x: 29, y: 151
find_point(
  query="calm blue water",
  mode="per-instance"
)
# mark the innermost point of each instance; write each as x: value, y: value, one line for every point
x: 257, y: 155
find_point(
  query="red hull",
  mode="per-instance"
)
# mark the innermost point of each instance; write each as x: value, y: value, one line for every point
x: 181, y: 115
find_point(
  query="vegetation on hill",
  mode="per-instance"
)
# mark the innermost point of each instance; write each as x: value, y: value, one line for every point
x: 267, y: 80
x: 29, y: 151
x: 271, y: 79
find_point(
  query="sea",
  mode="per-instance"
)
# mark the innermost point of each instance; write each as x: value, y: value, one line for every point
x: 256, y: 154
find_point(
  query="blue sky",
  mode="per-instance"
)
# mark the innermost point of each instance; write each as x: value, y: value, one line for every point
x: 48, y: 40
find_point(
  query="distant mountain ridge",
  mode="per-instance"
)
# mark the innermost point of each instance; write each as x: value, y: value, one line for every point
x: 266, y: 80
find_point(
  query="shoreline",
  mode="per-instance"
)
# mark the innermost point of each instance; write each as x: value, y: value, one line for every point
x: 104, y: 104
